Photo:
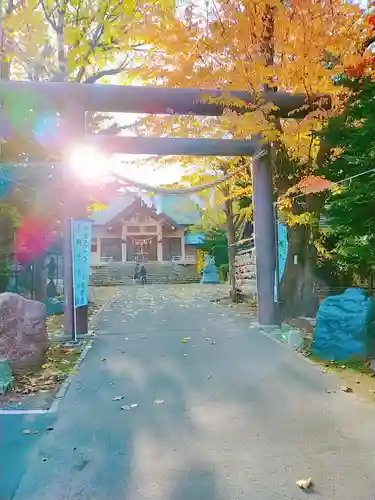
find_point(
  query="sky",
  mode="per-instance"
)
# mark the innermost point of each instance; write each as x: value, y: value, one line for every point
x: 139, y: 167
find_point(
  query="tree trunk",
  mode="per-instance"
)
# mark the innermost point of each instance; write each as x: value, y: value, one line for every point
x: 297, y: 286
x: 231, y: 249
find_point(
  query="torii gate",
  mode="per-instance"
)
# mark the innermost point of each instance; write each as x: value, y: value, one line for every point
x: 75, y: 99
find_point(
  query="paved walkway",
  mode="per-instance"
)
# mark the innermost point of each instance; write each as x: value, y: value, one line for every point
x: 243, y: 417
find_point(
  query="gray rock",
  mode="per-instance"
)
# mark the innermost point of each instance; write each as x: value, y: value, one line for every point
x: 23, y: 334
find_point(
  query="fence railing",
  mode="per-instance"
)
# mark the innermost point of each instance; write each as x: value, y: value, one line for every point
x: 188, y: 259
x: 28, y: 280
x: 106, y: 259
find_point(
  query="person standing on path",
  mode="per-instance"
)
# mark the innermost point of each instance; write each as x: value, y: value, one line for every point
x: 136, y: 273
x: 143, y: 274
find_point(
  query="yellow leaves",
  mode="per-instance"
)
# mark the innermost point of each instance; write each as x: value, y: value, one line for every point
x: 226, y: 53
x: 304, y: 219
x: 299, y: 140
x: 321, y: 249
x: 96, y: 206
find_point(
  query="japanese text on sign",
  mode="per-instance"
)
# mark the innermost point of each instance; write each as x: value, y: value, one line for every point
x: 81, y: 250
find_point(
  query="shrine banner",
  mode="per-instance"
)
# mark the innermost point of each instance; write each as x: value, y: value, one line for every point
x: 281, y: 256
x: 81, y: 252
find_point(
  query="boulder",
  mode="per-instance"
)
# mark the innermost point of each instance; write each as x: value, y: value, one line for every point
x: 23, y: 334
x: 345, y: 327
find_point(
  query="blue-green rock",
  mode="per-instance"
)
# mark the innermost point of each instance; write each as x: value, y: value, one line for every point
x: 345, y: 327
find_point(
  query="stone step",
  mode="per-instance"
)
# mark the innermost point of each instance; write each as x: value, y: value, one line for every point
x: 100, y: 281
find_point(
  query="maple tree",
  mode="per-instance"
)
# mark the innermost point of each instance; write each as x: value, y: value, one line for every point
x: 299, y: 46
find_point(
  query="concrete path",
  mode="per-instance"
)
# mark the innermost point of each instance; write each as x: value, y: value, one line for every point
x: 243, y: 416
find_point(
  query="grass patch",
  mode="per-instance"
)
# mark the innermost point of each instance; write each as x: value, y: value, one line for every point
x: 355, y: 364
x: 54, y: 323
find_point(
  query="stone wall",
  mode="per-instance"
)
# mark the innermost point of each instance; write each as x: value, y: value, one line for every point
x: 245, y: 272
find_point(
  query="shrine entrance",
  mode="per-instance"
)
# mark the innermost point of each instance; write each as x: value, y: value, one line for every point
x: 74, y: 100
x: 141, y: 249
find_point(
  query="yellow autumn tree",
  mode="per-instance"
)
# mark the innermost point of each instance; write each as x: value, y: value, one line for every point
x: 223, y: 208
x: 70, y: 40
x: 76, y: 40
x: 300, y: 46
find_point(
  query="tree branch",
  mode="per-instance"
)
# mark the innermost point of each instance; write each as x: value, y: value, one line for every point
x: 106, y: 72
x: 98, y: 33
x: 368, y: 42
x: 49, y: 16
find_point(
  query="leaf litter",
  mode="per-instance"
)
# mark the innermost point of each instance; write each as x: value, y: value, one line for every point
x: 129, y: 407
x: 60, y: 362
x: 305, y: 484
x: 344, y: 388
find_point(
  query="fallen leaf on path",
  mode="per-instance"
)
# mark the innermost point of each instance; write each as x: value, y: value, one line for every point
x: 213, y: 343
x: 208, y: 339
x: 117, y: 398
x: 159, y: 401
x: 103, y: 359
x: 129, y: 407
x: 357, y: 381
x: 44, y: 459
x: 30, y: 432
x: 185, y: 355
x: 304, y: 484
x: 372, y: 390
x: 209, y: 376
x: 344, y: 388
x: 49, y: 429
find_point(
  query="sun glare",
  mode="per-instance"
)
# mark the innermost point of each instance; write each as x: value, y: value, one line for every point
x: 89, y: 164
